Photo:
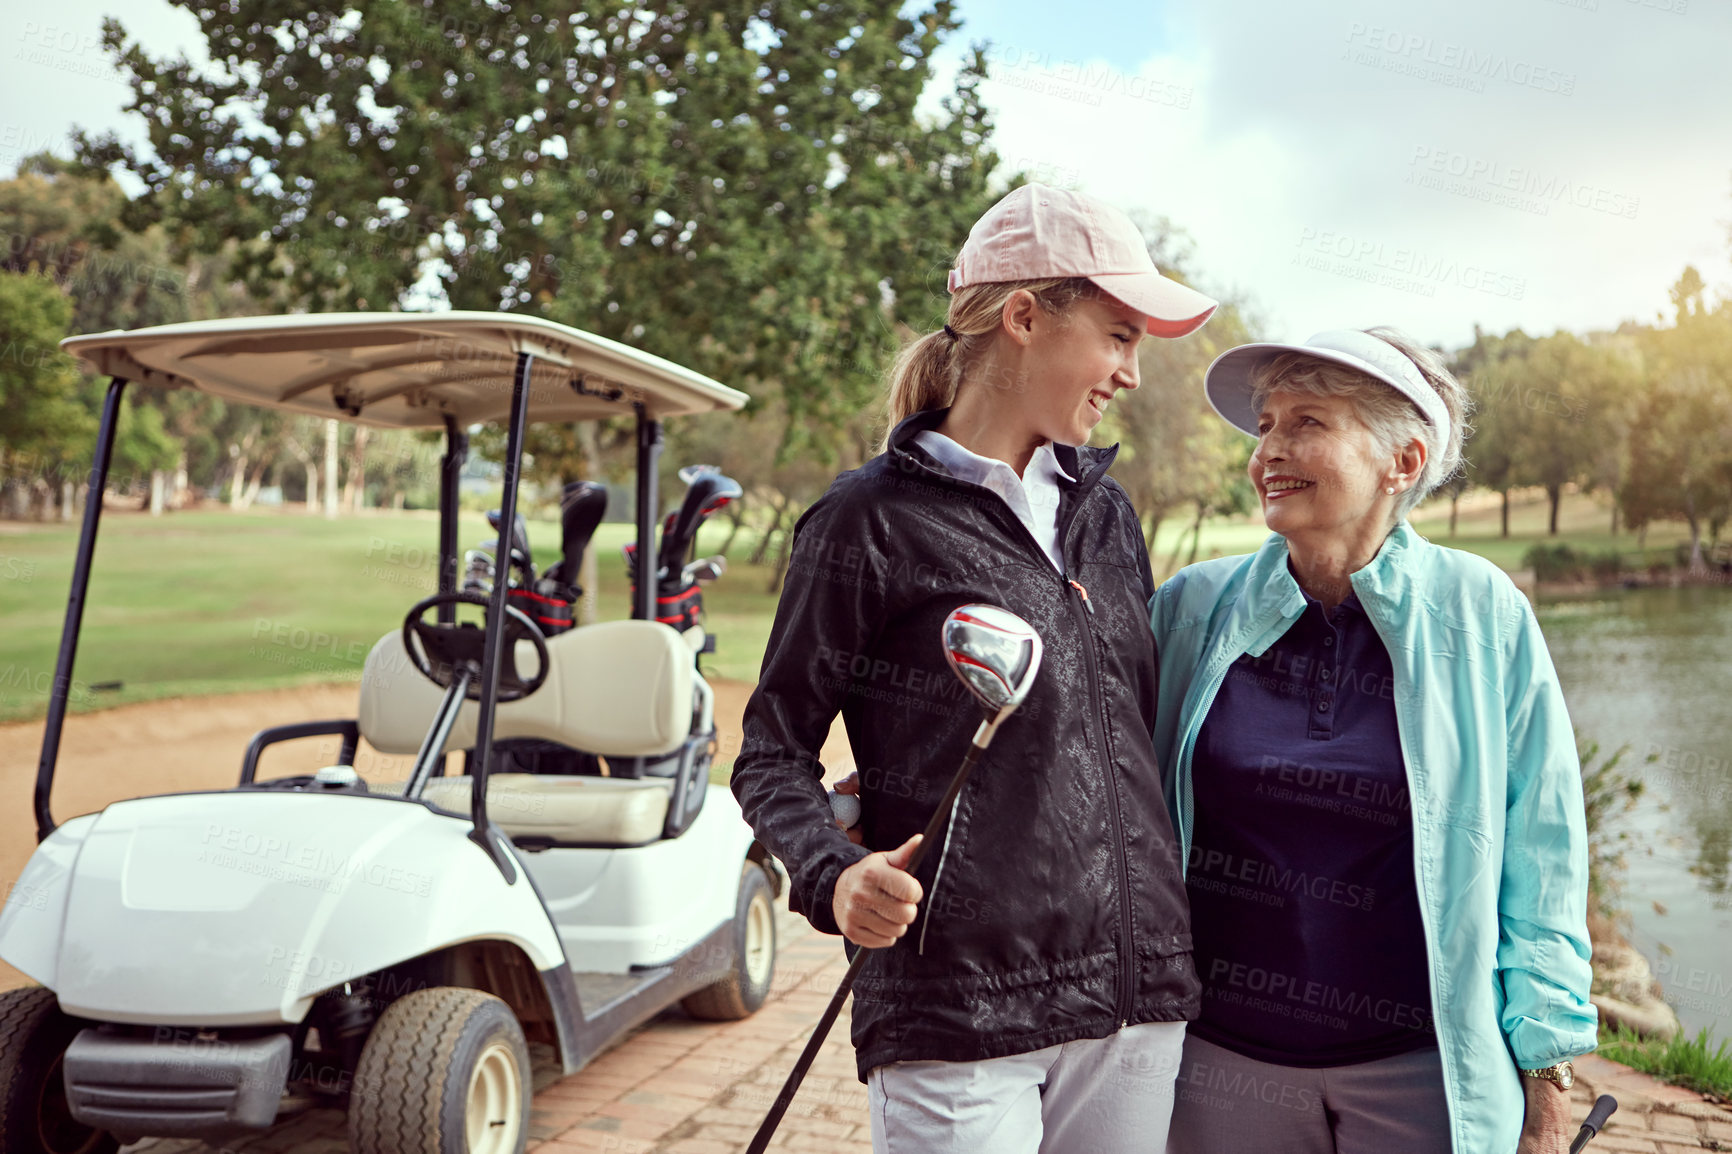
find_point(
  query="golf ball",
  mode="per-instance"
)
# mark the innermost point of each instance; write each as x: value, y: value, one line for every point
x: 846, y: 808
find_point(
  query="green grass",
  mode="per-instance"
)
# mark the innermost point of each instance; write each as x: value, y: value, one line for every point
x: 1694, y: 1063
x: 217, y: 602
x: 1585, y: 525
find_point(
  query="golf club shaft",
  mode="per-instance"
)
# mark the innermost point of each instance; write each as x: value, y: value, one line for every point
x: 934, y: 827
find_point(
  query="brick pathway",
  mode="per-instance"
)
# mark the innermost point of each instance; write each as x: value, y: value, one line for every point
x: 1652, y: 1117
x: 683, y: 1087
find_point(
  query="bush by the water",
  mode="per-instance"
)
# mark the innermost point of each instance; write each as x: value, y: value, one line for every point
x: 1562, y: 563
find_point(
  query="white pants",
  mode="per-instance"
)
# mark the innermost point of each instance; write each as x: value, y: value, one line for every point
x: 1093, y: 1096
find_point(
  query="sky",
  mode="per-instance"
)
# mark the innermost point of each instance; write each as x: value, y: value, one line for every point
x: 1539, y: 164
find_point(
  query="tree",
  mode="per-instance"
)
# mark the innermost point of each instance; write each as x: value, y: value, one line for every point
x: 1680, y: 445
x: 1175, y: 452
x: 64, y: 223
x: 1557, y: 397
x: 47, y: 422
x: 1493, y: 451
x: 741, y: 187
x: 42, y: 422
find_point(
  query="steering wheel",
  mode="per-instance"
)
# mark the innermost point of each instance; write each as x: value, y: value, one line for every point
x: 448, y: 647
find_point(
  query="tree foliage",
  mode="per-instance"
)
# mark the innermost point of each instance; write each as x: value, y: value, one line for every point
x: 1680, y: 440
x: 1546, y: 411
x: 741, y: 187
x: 40, y: 413
x: 1176, y: 454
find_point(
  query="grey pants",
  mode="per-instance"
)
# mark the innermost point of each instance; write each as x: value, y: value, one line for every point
x: 1229, y: 1104
x: 1093, y: 1096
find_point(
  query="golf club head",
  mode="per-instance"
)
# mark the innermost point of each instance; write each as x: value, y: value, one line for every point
x: 995, y: 653
x: 707, y: 491
x: 581, y: 507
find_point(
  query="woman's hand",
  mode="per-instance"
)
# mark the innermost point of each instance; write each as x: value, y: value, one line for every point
x: 875, y: 897
x: 1546, y: 1126
x: 850, y: 783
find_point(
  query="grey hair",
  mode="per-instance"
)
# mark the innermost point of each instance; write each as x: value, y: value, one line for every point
x: 1394, y: 420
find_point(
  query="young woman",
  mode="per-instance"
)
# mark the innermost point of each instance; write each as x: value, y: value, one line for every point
x: 1035, y: 999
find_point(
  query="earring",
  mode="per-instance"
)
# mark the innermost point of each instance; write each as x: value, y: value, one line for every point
x: 1390, y: 490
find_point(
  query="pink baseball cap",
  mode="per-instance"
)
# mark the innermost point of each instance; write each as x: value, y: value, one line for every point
x: 1037, y: 232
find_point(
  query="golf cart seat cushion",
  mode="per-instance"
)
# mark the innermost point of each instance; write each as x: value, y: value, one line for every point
x: 618, y: 688
x: 603, y: 811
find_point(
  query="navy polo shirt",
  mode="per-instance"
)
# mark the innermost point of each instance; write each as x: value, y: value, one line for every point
x: 1303, y: 905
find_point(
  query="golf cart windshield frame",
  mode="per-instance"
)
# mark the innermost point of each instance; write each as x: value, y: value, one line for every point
x: 649, y: 443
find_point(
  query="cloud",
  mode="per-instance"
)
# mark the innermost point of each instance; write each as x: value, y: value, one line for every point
x: 1541, y: 163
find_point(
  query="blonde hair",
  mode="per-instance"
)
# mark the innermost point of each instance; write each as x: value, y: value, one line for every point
x: 1393, y: 419
x: 929, y: 369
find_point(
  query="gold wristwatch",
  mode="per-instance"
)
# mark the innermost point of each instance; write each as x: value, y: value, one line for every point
x: 1563, y: 1074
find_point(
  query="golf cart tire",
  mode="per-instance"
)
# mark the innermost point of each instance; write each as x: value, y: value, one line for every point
x: 34, y: 1034
x: 413, y: 1083
x: 741, y: 993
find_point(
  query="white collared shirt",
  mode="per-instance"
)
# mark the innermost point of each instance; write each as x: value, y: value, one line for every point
x: 1033, y: 497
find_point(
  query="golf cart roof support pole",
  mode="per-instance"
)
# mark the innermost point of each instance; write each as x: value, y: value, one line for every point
x: 483, y: 834
x: 649, y: 452
x: 57, y: 692
x: 450, y: 472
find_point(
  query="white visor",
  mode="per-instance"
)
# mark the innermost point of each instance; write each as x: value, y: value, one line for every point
x: 1228, y: 381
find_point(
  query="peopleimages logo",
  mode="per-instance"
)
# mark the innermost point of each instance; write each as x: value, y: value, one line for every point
x: 1400, y: 267
x: 1529, y: 189
x: 1470, y: 62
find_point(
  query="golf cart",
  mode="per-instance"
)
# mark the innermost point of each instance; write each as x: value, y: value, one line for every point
x: 210, y: 960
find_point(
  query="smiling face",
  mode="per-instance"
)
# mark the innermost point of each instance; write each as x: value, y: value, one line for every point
x: 1077, y: 362
x: 1318, y: 468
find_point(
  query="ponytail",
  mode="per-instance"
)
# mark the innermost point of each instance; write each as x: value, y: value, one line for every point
x: 931, y: 369
x: 924, y: 377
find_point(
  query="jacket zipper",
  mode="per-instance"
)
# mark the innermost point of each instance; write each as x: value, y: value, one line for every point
x: 1127, y: 984
x: 1046, y: 564
x: 1125, y: 944
x: 1127, y: 979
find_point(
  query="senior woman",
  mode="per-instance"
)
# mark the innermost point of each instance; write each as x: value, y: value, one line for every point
x: 1375, y: 785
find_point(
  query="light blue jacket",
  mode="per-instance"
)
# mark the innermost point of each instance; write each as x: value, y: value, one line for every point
x: 1500, y: 841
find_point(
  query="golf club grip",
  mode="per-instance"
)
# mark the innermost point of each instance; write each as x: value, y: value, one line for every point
x: 790, y: 1087
x: 785, y: 1098
x: 1604, y: 1106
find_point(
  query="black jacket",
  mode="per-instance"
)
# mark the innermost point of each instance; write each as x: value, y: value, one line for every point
x: 1061, y: 909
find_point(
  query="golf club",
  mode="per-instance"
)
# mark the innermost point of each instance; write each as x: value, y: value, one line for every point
x: 997, y: 655
x: 1604, y: 1106
x: 581, y: 507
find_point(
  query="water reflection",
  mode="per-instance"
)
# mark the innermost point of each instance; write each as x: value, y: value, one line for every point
x: 1650, y: 669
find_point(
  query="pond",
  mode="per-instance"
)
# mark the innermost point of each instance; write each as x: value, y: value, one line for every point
x: 1651, y: 669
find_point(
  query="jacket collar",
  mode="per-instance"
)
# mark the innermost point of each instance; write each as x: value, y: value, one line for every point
x: 1272, y: 594
x: 1087, y: 466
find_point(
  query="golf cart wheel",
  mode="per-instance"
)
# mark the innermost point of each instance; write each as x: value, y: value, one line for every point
x: 34, y: 1118
x: 444, y: 1071
x: 744, y: 989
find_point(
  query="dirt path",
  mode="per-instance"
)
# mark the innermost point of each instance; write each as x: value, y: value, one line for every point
x: 197, y: 742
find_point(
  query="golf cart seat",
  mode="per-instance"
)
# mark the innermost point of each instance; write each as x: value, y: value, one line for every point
x: 588, y: 811
x: 619, y: 688
x: 622, y: 689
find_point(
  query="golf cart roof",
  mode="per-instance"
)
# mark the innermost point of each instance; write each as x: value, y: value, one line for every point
x: 404, y: 370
